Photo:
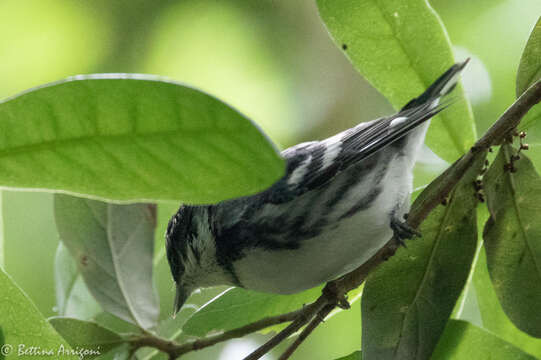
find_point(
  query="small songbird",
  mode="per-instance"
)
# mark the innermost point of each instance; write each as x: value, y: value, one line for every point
x: 339, y: 202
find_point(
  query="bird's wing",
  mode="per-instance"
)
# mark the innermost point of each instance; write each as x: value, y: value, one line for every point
x: 313, y: 164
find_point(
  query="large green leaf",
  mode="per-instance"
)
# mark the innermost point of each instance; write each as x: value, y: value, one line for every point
x: 408, y: 300
x: 354, y: 356
x: 2, y: 357
x: 24, y: 327
x: 494, y: 319
x: 171, y: 328
x: 2, y: 255
x: 72, y: 296
x: 467, y: 308
x: 128, y: 137
x: 529, y: 71
x: 401, y: 47
x: 164, y: 213
x: 513, y: 239
x: 116, y: 324
x: 113, y: 245
x: 237, y: 307
x: 462, y: 340
x: 162, y: 273
x: 85, y: 335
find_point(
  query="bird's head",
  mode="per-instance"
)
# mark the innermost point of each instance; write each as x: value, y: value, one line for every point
x: 191, y: 252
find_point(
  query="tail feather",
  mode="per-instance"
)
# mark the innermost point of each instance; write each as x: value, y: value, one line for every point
x: 363, y: 141
x: 439, y: 88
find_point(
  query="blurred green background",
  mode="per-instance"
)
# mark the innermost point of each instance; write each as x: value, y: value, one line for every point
x: 271, y: 59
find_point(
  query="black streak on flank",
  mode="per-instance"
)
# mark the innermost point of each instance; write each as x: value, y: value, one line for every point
x: 370, y: 197
x: 363, y: 203
x: 355, y: 175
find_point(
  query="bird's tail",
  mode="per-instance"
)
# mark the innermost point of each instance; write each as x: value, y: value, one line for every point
x: 439, y: 88
x: 385, y: 131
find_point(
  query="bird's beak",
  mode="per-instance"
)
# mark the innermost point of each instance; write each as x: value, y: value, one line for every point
x: 180, y: 298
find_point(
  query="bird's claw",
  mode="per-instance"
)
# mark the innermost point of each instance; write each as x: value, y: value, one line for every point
x: 333, y: 294
x: 402, y: 231
x: 343, y: 303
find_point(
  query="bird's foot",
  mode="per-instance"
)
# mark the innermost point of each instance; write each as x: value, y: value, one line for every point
x: 402, y: 231
x: 332, y: 292
x: 343, y: 303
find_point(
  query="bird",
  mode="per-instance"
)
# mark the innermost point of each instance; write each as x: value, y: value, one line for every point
x: 340, y: 200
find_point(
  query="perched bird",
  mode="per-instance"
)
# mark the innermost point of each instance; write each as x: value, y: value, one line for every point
x: 339, y: 202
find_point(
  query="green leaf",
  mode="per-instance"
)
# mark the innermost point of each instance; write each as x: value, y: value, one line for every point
x: 529, y: 69
x: 237, y: 307
x: 408, y: 300
x: 121, y: 352
x: 462, y: 340
x: 494, y: 319
x: 354, y: 356
x: 116, y: 324
x: 2, y: 255
x: 72, y: 296
x: 2, y: 357
x: 513, y: 239
x: 132, y: 137
x: 86, y: 335
x: 401, y: 47
x: 466, y: 307
x: 113, y: 245
x: 171, y: 329
x: 24, y: 326
x: 164, y: 213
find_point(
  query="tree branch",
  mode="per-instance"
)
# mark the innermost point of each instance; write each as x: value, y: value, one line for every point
x: 334, y: 292
x: 173, y: 349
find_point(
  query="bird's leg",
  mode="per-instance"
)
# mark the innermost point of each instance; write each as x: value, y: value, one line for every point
x: 332, y: 292
x: 402, y: 231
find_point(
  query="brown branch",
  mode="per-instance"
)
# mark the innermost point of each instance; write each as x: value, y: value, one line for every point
x: 175, y: 350
x: 511, y: 118
x: 334, y: 292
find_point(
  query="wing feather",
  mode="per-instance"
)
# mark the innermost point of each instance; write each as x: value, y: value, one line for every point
x: 315, y: 163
